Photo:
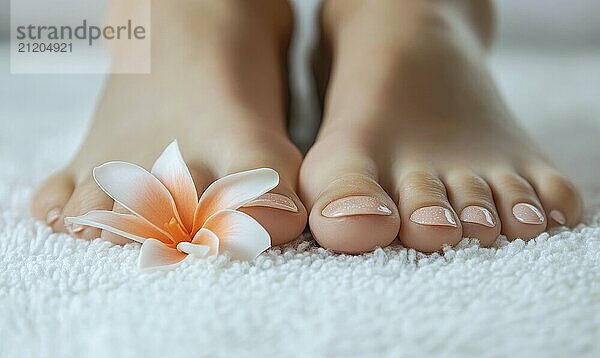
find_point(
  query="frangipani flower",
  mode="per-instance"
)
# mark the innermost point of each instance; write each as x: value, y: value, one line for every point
x: 169, y: 220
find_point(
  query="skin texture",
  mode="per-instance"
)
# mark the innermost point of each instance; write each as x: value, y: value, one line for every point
x: 413, y: 117
x: 217, y: 86
x: 415, y: 141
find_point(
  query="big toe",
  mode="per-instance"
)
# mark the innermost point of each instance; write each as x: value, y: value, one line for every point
x: 354, y: 215
x: 280, y: 212
x: 350, y: 212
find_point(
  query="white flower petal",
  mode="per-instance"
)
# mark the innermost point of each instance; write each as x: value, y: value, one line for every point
x: 239, y: 234
x: 138, y: 191
x: 126, y: 225
x: 193, y: 249
x: 233, y: 191
x: 155, y: 254
x: 172, y: 171
x: 207, y: 238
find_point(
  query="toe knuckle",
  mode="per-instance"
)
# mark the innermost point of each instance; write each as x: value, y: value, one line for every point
x: 514, y: 184
x: 561, y: 185
x: 418, y: 182
x: 509, y: 179
x: 471, y: 184
x: 421, y: 178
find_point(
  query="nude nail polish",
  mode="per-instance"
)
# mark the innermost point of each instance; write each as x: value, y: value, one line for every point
x: 53, y: 215
x: 355, y: 205
x: 74, y: 229
x: 433, y: 215
x: 477, y: 215
x: 558, y: 216
x: 528, y: 214
x: 275, y: 201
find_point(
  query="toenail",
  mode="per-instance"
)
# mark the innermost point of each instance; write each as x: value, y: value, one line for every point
x: 275, y: 201
x: 433, y: 215
x: 74, y: 229
x: 53, y: 215
x: 355, y: 205
x: 528, y: 214
x: 558, y: 216
x: 477, y: 215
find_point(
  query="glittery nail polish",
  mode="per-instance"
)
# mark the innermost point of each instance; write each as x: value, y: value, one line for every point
x: 558, y: 216
x: 275, y: 201
x: 477, y: 215
x: 355, y: 205
x: 528, y: 214
x: 53, y: 215
x: 433, y: 215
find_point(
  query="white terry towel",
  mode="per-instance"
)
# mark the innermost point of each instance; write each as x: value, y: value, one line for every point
x: 61, y: 297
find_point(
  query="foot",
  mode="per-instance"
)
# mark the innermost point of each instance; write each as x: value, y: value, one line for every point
x: 416, y: 141
x: 228, y: 115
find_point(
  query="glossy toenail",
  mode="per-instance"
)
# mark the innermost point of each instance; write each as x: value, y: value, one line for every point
x: 355, y: 205
x: 477, y: 215
x: 528, y: 214
x: 558, y: 216
x: 53, y: 215
x: 74, y: 229
x: 433, y: 215
x: 275, y: 201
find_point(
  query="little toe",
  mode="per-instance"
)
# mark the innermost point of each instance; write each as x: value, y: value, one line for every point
x: 429, y: 221
x: 518, y: 206
x: 86, y: 197
x: 472, y: 199
x: 561, y: 201
x: 50, y: 199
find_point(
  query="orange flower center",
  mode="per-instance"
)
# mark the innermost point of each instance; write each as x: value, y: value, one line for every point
x: 177, y: 231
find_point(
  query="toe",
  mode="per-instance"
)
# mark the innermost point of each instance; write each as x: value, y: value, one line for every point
x: 520, y: 210
x: 87, y: 196
x: 349, y: 211
x: 353, y: 214
x: 280, y: 212
x: 429, y: 221
x: 471, y: 197
x: 50, y: 199
x: 561, y: 201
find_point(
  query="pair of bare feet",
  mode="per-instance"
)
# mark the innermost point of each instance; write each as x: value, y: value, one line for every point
x: 415, y: 143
